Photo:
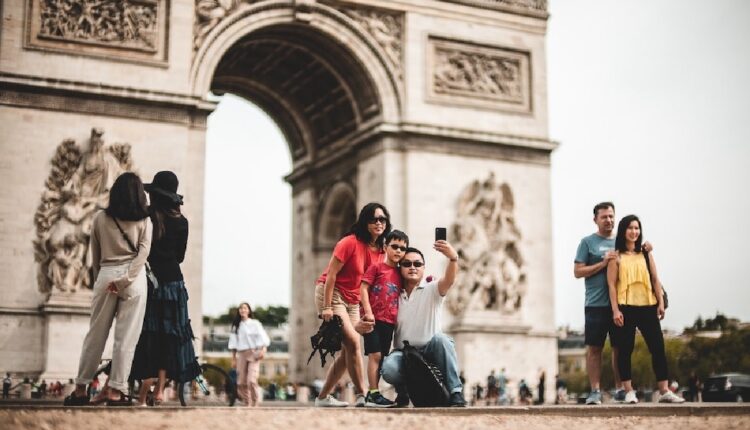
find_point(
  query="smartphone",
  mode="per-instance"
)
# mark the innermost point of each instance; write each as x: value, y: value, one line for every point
x: 440, y: 233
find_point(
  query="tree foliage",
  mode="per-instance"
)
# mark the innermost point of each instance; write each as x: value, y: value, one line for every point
x: 269, y: 316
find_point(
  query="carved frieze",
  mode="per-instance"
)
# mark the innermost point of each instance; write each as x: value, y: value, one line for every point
x: 387, y: 30
x: 492, y: 271
x: 77, y: 187
x: 208, y: 14
x: 534, y: 7
x: 479, y: 75
x: 130, y: 29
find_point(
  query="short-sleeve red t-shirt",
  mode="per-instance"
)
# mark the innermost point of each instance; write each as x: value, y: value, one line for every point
x: 356, y: 258
x: 384, y: 291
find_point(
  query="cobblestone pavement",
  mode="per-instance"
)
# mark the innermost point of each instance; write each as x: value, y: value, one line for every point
x: 682, y: 417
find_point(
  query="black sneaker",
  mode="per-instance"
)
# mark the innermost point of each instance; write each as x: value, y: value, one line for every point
x: 457, y: 400
x: 402, y: 400
x: 376, y: 400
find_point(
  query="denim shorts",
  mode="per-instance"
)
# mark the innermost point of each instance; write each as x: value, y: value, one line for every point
x: 599, y: 324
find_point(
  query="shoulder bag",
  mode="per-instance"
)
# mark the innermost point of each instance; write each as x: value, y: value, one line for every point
x: 153, y: 283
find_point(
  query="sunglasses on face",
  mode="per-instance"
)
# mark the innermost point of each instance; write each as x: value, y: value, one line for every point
x: 397, y: 247
x: 407, y: 264
x: 380, y: 219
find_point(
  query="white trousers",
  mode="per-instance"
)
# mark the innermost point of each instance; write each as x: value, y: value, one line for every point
x: 128, y: 307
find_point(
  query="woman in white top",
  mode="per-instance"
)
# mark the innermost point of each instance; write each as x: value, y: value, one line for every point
x: 248, y: 342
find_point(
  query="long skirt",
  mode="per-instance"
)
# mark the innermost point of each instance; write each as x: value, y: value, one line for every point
x: 166, y: 341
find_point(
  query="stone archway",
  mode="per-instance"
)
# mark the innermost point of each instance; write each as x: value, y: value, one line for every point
x: 436, y: 108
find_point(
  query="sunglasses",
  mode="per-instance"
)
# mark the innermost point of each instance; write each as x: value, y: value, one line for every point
x: 407, y: 264
x: 380, y: 219
x: 397, y: 248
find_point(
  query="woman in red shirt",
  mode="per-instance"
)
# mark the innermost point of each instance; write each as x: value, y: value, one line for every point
x: 337, y: 291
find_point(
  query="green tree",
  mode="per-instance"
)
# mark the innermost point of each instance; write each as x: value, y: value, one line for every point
x: 270, y: 316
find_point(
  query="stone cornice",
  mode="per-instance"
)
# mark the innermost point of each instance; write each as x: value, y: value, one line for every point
x: 532, y: 8
x: 90, y: 98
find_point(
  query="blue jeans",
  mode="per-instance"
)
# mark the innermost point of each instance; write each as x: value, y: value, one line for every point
x: 439, y: 351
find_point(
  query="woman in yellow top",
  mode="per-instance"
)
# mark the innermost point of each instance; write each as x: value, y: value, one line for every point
x: 635, y: 303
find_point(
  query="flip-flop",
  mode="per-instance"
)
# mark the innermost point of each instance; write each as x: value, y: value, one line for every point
x: 73, y: 400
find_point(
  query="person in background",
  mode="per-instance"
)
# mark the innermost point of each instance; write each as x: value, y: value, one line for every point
x: 7, y: 382
x: 249, y: 343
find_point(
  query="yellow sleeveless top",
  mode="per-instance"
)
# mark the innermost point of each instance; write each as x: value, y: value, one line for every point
x: 634, y: 282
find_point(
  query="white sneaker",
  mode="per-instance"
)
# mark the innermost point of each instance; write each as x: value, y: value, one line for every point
x: 670, y: 397
x: 360, y: 403
x: 330, y: 402
x: 630, y: 397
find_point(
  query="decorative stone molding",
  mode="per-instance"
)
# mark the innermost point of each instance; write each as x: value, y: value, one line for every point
x: 492, y: 272
x: 479, y: 75
x: 386, y: 28
x: 77, y: 187
x: 536, y: 8
x: 128, y: 29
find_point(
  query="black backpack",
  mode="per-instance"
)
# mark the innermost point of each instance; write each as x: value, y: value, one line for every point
x: 424, y: 381
x: 327, y: 340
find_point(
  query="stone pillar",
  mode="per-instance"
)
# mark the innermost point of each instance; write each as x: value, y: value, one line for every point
x: 66, y: 320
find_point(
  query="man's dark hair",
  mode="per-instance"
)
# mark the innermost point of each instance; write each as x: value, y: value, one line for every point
x: 397, y: 235
x: 359, y: 228
x: 622, y: 227
x: 410, y: 249
x: 127, y: 199
x: 603, y: 205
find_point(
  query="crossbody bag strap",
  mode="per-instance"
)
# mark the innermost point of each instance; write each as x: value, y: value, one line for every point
x: 125, y: 236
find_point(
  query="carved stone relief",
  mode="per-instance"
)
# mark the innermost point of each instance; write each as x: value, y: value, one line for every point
x: 208, y: 14
x: 492, y: 272
x: 386, y: 28
x: 77, y: 187
x: 133, y: 29
x: 479, y: 75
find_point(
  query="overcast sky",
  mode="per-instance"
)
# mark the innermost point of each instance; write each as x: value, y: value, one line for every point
x: 650, y: 102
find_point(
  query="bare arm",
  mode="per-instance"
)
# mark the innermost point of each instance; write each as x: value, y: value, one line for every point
x: 658, y: 292
x: 612, y: 284
x: 334, y: 267
x: 446, y: 282
x: 581, y: 270
x: 364, y: 300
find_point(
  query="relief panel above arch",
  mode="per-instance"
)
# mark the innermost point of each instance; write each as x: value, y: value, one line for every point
x: 130, y: 30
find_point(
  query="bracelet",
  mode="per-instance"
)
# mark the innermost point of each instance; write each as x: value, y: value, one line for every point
x: 327, y: 308
x: 453, y: 259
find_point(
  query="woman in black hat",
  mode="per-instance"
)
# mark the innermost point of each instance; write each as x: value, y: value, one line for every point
x: 165, y: 348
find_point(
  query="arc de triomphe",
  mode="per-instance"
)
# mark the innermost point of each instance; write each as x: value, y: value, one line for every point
x: 436, y: 108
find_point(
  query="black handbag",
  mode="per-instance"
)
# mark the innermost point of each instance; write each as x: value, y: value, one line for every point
x: 653, y: 288
x: 327, y: 341
x: 153, y: 283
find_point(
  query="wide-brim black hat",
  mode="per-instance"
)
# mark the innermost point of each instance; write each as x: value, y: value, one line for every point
x: 165, y: 183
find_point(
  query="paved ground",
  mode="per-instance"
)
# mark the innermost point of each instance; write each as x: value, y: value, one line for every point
x: 621, y: 417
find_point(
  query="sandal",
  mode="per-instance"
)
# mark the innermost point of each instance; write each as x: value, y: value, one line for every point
x: 124, y: 400
x: 73, y: 400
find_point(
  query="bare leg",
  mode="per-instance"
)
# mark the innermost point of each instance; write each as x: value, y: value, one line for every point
x: 373, y: 364
x: 594, y: 365
x: 145, y: 387
x: 627, y: 385
x: 335, y: 372
x: 353, y: 356
x: 159, y: 395
x: 663, y: 386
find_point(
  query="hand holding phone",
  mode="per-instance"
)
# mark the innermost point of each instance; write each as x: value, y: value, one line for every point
x: 440, y: 233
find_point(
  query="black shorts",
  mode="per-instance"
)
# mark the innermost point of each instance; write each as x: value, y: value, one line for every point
x: 599, y: 324
x: 379, y: 339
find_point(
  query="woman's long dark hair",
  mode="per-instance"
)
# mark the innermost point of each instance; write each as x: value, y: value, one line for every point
x: 127, y: 199
x: 622, y: 227
x: 238, y: 318
x: 161, y: 208
x: 359, y: 228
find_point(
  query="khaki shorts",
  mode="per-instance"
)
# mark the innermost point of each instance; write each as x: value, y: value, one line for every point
x: 340, y: 306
